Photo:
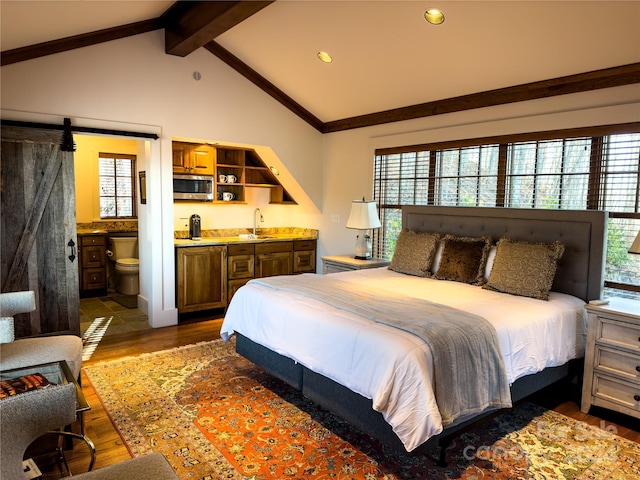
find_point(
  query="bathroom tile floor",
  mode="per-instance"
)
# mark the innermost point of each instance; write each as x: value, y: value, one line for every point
x: 105, y: 311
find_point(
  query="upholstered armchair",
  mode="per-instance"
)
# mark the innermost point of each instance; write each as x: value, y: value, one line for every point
x: 27, y: 416
x: 25, y: 352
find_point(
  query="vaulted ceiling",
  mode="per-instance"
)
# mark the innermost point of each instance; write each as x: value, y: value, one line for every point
x: 389, y: 64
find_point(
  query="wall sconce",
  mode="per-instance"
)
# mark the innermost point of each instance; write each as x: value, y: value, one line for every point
x: 363, y: 217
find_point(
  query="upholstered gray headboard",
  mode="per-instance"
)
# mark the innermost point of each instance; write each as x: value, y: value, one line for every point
x: 583, y: 232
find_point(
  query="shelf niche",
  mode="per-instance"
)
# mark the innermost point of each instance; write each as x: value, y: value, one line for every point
x: 250, y: 172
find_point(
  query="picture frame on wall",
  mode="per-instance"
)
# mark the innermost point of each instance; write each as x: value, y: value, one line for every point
x: 143, y: 187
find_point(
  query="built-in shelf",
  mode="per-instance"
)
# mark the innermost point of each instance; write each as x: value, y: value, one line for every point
x: 248, y: 169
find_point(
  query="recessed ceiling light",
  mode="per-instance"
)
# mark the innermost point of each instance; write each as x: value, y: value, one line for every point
x: 434, y: 16
x: 325, y: 57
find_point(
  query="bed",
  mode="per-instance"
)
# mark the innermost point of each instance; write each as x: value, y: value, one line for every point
x: 382, y: 377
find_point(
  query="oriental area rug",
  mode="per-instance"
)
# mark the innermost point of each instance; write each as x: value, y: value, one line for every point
x: 215, y: 415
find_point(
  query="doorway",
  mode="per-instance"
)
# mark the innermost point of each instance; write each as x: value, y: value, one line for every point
x: 105, y: 311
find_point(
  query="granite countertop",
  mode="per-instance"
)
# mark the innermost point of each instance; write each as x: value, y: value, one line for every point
x: 226, y: 236
x: 119, y: 227
x: 87, y: 231
x: 245, y: 238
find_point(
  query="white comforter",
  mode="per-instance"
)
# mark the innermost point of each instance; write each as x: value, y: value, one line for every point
x: 393, y: 367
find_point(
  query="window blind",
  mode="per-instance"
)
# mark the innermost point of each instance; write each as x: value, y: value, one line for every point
x: 595, y: 168
x: 117, y: 185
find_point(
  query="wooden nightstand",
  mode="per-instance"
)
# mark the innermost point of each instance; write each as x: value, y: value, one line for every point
x: 612, y: 357
x: 342, y: 263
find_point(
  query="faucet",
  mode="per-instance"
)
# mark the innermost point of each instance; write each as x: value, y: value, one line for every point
x: 256, y: 212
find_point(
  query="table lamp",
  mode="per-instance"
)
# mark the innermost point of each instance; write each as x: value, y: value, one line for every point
x: 363, y: 217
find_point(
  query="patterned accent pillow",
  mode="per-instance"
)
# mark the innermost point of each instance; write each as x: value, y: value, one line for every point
x: 524, y: 268
x: 414, y: 252
x: 26, y: 383
x: 464, y: 259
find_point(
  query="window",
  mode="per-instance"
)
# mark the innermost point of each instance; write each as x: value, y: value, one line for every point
x: 548, y: 174
x: 117, y: 185
x: 597, y: 168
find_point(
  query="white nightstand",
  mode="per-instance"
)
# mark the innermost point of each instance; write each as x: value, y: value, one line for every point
x: 612, y: 357
x: 342, y: 263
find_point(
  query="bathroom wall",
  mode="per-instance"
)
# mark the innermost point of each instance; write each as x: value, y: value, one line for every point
x: 86, y: 155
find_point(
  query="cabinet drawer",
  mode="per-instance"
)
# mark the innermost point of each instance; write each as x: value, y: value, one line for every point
x: 304, y: 245
x: 94, y: 278
x: 304, y: 261
x: 243, y: 249
x: 617, y: 333
x: 616, y: 391
x: 88, y: 240
x: 240, y: 266
x: 274, y: 247
x: 619, y: 363
x: 93, y: 256
x: 272, y: 264
x: 330, y: 267
x: 233, y: 287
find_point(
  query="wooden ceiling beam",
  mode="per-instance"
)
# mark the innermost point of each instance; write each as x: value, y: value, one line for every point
x: 581, y: 82
x: 194, y: 22
x: 264, y: 84
x: 190, y: 25
x: 77, y: 41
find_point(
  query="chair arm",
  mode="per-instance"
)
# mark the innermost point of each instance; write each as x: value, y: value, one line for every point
x: 12, y: 303
x: 27, y: 416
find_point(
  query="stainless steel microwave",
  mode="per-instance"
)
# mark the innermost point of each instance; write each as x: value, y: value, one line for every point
x: 193, y: 187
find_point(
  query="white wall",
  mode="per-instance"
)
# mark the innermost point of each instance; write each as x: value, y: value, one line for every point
x: 132, y: 84
x: 349, y: 156
x: 85, y: 160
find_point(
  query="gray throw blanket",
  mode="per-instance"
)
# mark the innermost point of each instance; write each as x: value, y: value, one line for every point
x: 469, y: 372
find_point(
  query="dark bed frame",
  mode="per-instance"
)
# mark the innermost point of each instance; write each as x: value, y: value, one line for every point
x: 580, y: 273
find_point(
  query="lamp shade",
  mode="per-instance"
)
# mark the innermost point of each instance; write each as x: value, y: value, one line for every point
x: 635, y: 247
x: 363, y: 215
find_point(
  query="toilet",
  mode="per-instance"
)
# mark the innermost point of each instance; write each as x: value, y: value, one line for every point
x: 124, y: 251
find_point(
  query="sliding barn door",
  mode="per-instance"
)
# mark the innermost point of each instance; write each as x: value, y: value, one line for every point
x: 38, y: 229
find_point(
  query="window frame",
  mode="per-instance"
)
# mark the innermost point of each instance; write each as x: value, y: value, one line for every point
x: 597, y: 176
x: 134, y: 196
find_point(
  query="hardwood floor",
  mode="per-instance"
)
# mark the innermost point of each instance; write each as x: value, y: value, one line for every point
x: 110, y: 448
x: 98, y: 427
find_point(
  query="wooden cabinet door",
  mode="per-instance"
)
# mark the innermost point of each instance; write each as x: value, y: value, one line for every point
x: 304, y: 261
x: 234, y: 285
x: 272, y: 264
x: 38, y: 229
x: 202, y: 160
x: 304, y: 256
x: 181, y: 160
x: 202, y: 278
x: 274, y: 258
x: 193, y: 159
